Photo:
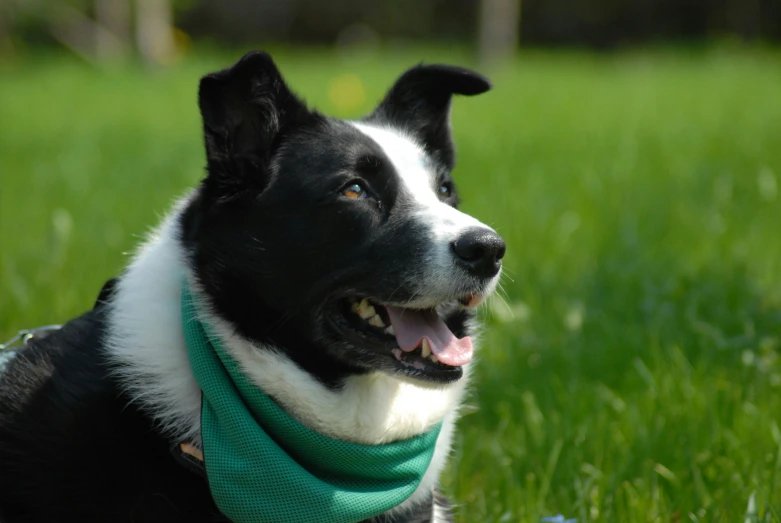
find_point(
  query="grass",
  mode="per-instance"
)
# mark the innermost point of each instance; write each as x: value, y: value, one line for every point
x: 634, y: 374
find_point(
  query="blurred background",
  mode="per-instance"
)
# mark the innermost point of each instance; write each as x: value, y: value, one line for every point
x: 629, y: 153
x: 157, y: 30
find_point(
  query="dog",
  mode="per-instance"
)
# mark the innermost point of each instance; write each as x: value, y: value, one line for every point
x: 330, y: 263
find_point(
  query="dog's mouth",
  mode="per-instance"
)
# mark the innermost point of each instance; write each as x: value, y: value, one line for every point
x: 417, y: 342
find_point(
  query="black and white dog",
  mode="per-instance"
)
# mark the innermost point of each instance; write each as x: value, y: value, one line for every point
x: 326, y: 251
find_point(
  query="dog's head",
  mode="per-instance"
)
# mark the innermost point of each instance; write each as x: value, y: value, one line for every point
x: 337, y: 241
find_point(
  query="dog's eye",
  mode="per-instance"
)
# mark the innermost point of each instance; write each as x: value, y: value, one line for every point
x: 355, y: 191
x: 445, y: 190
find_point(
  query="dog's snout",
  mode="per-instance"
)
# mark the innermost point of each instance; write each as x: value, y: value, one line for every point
x: 479, y: 251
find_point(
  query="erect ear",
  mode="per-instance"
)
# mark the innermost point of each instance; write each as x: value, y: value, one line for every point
x: 246, y: 110
x: 419, y: 102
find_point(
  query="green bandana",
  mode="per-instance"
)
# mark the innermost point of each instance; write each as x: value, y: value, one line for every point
x: 263, y: 466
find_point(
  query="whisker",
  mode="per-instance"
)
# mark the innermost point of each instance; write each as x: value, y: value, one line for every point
x: 390, y: 298
x: 507, y: 305
x: 502, y: 292
x: 414, y: 294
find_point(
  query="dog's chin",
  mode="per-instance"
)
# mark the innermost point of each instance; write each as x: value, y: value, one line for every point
x: 362, y: 335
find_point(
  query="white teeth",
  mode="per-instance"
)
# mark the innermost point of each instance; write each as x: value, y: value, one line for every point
x: 434, y: 358
x: 425, y: 348
x: 365, y: 310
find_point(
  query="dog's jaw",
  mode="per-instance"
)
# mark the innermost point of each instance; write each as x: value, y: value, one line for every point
x: 146, y: 345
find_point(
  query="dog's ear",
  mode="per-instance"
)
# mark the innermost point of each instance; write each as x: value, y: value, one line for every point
x: 419, y: 102
x: 246, y: 110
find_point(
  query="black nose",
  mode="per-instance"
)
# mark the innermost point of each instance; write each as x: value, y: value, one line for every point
x: 479, y: 252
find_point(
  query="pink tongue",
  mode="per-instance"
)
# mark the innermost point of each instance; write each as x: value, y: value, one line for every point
x: 411, y: 326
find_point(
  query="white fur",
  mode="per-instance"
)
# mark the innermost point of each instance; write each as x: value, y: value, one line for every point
x: 444, y: 223
x: 369, y: 409
x: 439, y: 515
x: 145, y: 336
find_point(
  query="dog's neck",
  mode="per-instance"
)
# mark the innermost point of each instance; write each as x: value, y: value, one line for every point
x: 146, y: 341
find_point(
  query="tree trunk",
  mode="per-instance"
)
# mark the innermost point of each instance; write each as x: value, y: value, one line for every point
x: 113, y: 16
x: 154, y: 31
x: 498, y: 32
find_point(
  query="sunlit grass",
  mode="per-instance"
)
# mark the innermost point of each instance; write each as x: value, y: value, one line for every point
x: 633, y: 373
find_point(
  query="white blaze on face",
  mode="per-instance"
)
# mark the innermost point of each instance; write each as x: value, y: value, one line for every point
x: 444, y: 223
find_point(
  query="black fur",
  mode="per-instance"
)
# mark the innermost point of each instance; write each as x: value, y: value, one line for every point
x: 419, y: 102
x: 276, y: 248
x: 247, y: 111
x: 72, y: 448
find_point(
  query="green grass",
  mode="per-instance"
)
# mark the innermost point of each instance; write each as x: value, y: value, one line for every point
x: 639, y: 377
